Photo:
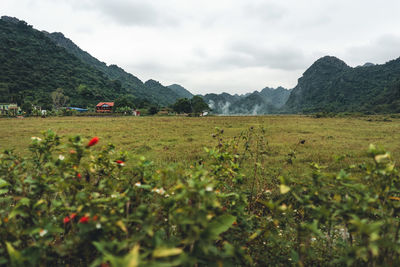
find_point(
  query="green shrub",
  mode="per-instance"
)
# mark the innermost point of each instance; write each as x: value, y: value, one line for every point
x: 72, y: 203
x: 68, y: 205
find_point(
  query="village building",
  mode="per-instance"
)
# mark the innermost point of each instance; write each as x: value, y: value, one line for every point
x: 9, y: 109
x: 165, y: 111
x: 77, y: 109
x: 104, y: 107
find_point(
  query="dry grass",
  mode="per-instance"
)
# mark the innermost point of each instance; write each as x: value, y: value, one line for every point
x: 179, y: 139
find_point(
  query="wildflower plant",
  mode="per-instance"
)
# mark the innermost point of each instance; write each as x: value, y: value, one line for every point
x: 82, y: 202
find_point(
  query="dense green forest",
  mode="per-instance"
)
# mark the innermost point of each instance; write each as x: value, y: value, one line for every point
x: 152, y: 90
x: 183, y: 92
x: 331, y: 85
x: 35, y: 64
x: 33, y: 67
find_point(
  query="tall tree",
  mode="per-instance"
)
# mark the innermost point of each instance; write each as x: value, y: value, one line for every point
x: 27, y: 107
x: 124, y: 101
x: 182, y: 105
x: 198, y: 104
x: 59, y: 99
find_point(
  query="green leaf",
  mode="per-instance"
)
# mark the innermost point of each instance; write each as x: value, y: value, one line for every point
x: 220, y: 225
x: 166, y: 252
x: 121, y: 225
x: 284, y: 188
x: 254, y: 235
x: 16, y: 212
x: 24, y: 201
x: 100, y: 247
x: 295, y: 256
x: 3, y: 183
x: 15, y: 256
x: 3, y: 191
x: 133, y: 257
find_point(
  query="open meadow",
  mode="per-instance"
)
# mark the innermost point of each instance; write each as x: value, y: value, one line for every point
x: 181, y: 139
x: 294, y: 194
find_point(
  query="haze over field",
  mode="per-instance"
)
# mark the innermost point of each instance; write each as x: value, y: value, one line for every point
x: 211, y: 47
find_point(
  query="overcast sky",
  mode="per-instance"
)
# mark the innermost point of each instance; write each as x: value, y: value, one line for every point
x: 234, y: 46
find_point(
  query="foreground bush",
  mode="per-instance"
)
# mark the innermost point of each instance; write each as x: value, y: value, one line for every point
x: 72, y: 204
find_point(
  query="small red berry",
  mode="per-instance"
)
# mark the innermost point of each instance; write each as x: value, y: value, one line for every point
x: 78, y: 175
x: 84, y: 219
x: 93, y: 141
x: 120, y: 162
x: 66, y: 220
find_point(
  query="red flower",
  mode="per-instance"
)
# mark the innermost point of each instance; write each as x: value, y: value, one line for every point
x: 72, y: 216
x: 92, y: 142
x: 84, y: 219
x: 120, y: 162
x: 66, y: 220
x: 78, y: 175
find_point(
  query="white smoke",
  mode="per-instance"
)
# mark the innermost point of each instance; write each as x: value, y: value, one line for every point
x: 225, y: 108
x: 211, y: 104
x: 256, y: 110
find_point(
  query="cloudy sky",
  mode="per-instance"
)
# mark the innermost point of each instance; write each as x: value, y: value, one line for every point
x: 235, y: 46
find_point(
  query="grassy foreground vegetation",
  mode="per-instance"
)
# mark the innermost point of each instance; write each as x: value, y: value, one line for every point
x: 267, y: 191
x: 177, y: 139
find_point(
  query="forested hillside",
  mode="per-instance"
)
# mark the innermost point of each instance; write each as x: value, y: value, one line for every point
x: 156, y: 93
x: 331, y: 85
x: 35, y: 64
x: 32, y: 67
x: 180, y: 90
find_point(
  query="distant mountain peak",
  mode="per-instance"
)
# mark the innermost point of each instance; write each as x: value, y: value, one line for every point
x: 180, y: 90
x: 332, y: 86
x: 326, y: 65
x: 59, y: 34
x: 368, y: 64
x: 175, y: 85
x: 12, y: 20
x: 330, y: 61
x: 151, y: 81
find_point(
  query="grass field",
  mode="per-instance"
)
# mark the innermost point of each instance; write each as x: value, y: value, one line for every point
x: 178, y: 139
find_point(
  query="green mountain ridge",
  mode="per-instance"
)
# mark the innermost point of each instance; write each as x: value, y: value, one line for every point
x: 331, y: 85
x: 156, y: 93
x: 180, y: 90
x: 32, y: 67
x: 34, y: 64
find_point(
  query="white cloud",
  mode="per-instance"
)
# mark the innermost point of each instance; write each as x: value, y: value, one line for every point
x: 378, y: 51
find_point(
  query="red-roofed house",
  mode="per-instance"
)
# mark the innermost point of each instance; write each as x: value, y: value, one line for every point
x: 104, y: 107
